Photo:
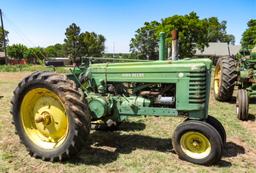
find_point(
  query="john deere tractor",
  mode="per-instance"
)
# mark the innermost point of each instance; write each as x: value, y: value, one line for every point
x: 53, y: 112
x: 240, y: 72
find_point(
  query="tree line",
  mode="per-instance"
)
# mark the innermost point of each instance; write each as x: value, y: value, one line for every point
x: 194, y: 33
x: 76, y: 45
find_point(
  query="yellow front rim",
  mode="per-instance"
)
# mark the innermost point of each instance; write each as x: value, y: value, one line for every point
x: 44, y: 118
x: 195, y: 145
x: 217, y: 79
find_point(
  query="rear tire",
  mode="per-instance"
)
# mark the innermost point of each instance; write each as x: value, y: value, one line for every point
x: 197, y: 142
x: 225, y: 76
x: 242, y: 105
x: 50, y: 115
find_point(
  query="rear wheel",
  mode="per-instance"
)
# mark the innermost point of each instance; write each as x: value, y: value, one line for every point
x: 50, y: 115
x: 225, y: 76
x: 197, y: 142
x: 242, y: 105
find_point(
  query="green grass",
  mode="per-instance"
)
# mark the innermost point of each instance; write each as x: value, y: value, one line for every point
x: 142, y: 145
x: 31, y: 68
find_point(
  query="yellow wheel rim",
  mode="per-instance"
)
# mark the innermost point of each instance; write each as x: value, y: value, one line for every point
x: 195, y: 145
x: 44, y: 118
x: 217, y: 79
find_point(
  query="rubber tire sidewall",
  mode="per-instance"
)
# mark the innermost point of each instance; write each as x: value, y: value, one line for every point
x: 212, y: 135
x: 44, y: 153
x: 218, y: 126
x: 242, y: 101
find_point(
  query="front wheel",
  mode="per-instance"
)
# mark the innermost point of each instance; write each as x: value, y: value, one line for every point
x: 242, y: 105
x: 218, y: 126
x: 197, y: 142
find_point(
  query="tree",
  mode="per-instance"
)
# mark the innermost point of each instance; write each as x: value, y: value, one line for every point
x: 73, y: 42
x: 191, y: 32
x: 93, y: 44
x: 217, y: 31
x: 249, y: 36
x: 56, y: 50
x: 145, y: 42
x: 35, y: 55
x: 17, y: 51
x: 194, y: 33
x: 79, y: 44
x: 2, y: 38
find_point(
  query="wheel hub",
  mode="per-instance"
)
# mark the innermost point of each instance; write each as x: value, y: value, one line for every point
x: 195, y: 145
x: 44, y: 118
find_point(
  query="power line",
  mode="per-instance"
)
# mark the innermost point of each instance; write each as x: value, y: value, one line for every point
x: 23, y: 36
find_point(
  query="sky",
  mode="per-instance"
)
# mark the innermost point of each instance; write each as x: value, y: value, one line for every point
x: 43, y: 22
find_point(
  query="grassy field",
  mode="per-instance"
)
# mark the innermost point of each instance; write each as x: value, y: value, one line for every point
x: 143, y: 145
x: 31, y: 68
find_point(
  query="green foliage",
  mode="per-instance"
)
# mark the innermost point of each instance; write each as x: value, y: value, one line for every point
x: 145, y: 42
x: 56, y: 50
x: 248, y: 40
x: 31, y: 68
x: 1, y: 38
x: 35, y: 55
x: 16, y: 51
x: 194, y: 33
x: 191, y: 32
x: 93, y: 44
x: 73, y: 42
x: 217, y: 31
x: 79, y: 44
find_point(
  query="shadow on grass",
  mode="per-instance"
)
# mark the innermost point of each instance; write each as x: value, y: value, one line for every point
x: 232, y: 149
x: 106, y: 146
x: 251, y: 117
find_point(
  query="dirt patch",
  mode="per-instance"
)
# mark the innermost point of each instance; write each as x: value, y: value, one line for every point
x: 13, y: 76
x: 238, y: 150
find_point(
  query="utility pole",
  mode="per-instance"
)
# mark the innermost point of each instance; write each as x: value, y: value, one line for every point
x: 3, y: 32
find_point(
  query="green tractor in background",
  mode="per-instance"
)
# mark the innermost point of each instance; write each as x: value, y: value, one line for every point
x: 53, y: 112
x: 229, y: 73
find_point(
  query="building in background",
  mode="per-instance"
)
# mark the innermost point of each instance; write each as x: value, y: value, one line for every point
x: 217, y: 50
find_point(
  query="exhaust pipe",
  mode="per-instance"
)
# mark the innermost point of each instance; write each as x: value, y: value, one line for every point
x: 162, y: 55
x: 175, y: 45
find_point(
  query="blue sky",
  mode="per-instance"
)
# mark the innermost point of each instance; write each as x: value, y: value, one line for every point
x: 43, y: 22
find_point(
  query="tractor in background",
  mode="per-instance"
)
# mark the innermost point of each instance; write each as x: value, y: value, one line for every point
x: 52, y: 112
x: 241, y: 72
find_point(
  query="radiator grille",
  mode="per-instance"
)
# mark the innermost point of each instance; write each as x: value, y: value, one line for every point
x: 197, y: 87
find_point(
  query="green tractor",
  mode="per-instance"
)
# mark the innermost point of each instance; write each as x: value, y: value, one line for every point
x: 229, y: 73
x: 53, y: 112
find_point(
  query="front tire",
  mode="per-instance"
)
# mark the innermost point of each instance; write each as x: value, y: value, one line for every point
x: 242, y: 105
x: 218, y: 126
x: 50, y: 116
x: 197, y: 142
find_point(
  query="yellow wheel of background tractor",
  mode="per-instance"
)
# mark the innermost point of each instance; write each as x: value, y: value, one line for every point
x: 225, y: 76
x: 50, y: 115
x: 197, y: 142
